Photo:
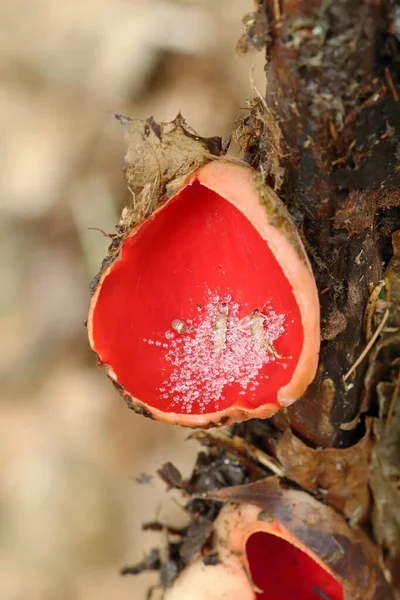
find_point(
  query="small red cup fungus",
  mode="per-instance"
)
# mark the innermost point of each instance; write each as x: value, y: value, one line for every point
x: 209, y: 313
x: 258, y: 560
x: 273, y: 542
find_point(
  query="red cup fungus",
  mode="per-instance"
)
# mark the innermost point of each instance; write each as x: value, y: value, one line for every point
x: 259, y: 559
x: 208, y: 314
x: 274, y: 542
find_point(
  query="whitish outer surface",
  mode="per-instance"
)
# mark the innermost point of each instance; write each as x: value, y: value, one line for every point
x: 225, y: 581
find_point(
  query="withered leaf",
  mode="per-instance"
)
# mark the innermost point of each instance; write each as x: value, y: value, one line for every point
x: 159, y: 153
x: 383, y: 380
x: 340, y: 476
x: 347, y: 552
x: 171, y: 475
x: 382, y: 361
x: 385, y: 471
x: 392, y: 279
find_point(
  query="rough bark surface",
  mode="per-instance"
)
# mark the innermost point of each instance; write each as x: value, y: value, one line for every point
x: 327, y: 91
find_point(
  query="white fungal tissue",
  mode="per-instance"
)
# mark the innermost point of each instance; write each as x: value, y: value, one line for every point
x: 215, y: 351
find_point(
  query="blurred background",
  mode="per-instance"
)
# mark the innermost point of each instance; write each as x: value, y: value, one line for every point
x: 70, y: 451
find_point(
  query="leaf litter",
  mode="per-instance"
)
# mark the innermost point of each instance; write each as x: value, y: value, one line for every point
x: 383, y: 380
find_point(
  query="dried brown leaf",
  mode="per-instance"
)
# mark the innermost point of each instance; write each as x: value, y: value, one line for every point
x: 171, y: 476
x: 382, y: 381
x: 383, y: 357
x: 385, y: 472
x: 381, y: 364
x: 392, y: 279
x: 159, y: 158
x: 159, y: 153
x: 340, y: 476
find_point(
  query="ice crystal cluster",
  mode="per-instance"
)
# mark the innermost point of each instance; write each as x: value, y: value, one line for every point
x: 215, y: 350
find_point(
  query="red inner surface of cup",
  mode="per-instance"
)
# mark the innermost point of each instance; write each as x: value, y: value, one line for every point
x: 197, y: 248
x: 284, y: 572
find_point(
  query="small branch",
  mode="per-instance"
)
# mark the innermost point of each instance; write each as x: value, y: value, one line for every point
x: 371, y: 308
x: 367, y: 347
x: 237, y: 443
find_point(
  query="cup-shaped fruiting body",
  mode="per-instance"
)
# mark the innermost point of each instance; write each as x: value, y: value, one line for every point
x: 209, y: 312
x: 296, y: 547
x: 277, y: 563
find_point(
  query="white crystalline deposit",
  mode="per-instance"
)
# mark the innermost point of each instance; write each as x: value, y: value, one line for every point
x: 216, y: 350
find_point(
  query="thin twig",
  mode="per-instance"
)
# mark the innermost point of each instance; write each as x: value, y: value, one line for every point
x: 395, y: 396
x: 333, y: 132
x: 108, y: 235
x: 276, y: 9
x: 389, y: 80
x: 265, y: 460
x: 371, y: 307
x: 235, y: 442
x: 370, y: 101
x: 367, y: 347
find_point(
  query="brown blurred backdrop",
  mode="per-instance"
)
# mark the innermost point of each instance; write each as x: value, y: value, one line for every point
x: 70, y: 508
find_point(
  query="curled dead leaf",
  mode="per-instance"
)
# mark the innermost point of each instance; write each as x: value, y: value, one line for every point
x: 382, y: 384
x: 385, y: 473
x: 340, y: 476
x: 159, y: 153
x: 392, y: 279
x: 382, y: 363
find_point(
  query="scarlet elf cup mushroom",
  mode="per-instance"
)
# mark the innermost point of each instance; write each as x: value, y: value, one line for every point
x: 273, y: 542
x: 257, y: 560
x: 206, y: 311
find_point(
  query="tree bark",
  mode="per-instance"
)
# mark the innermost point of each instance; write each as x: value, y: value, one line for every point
x: 330, y: 147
